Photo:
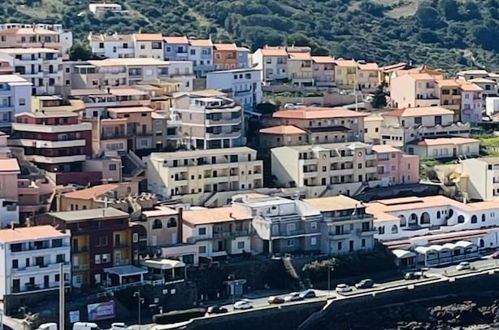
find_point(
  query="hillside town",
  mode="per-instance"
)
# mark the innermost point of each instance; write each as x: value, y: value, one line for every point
x: 169, y: 170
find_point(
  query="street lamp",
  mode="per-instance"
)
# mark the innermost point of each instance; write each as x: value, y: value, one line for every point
x: 329, y: 270
x: 139, y: 305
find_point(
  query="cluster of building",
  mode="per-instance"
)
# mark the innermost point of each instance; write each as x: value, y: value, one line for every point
x: 130, y: 168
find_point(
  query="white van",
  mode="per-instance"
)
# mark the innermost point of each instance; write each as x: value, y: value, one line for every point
x: 85, y: 326
x: 47, y: 326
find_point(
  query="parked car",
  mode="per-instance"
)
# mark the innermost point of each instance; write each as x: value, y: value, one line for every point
x: 365, y: 284
x: 275, y: 300
x: 295, y: 296
x: 119, y: 326
x: 243, y: 304
x: 47, y: 326
x: 342, y: 288
x: 308, y: 294
x: 463, y: 266
x: 216, y: 310
x: 413, y: 275
x: 85, y: 326
x: 495, y: 255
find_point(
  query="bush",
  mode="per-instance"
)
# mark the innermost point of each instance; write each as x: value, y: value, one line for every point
x: 178, y: 316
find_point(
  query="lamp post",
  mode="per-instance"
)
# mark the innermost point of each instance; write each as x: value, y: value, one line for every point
x: 140, y: 300
x: 329, y: 270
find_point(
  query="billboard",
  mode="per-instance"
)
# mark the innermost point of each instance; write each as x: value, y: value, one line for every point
x: 101, y: 311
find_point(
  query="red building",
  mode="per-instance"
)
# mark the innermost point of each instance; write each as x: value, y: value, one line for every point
x: 56, y: 142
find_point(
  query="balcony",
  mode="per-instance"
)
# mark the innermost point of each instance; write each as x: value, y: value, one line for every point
x: 56, y: 160
x: 47, y: 144
x: 223, y: 135
x: 228, y: 234
x: 30, y: 248
x: 343, y: 235
x: 81, y: 249
x: 51, y: 128
x: 223, y: 121
x: 80, y: 267
x: 39, y: 269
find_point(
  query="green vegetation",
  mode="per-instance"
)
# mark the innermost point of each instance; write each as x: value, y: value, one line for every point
x: 447, y: 34
x: 379, y: 98
x: 489, y: 141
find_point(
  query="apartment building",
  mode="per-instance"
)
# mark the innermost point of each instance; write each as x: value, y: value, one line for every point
x: 132, y: 123
x: 414, y: 88
x: 176, y: 48
x: 396, y: 167
x: 30, y: 37
x: 281, y: 225
x: 163, y: 226
x: 453, y: 147
x: 243, y: 55
x: 283, y: 135
x: 472, y: 74
x: 41, y: 66
x: 300, y: 68
x: 472, y: 102
x: 201, y: 56
x: 148, y: 45
x: 273, y: 61
x: 449, y: 93
x: 15, y: 97
x: 99, y: 9
x: 483, y: 177
x: 101, y: 239
x: 324, y: 125
x: 337, y: 168
x: 489, y: 86
x: 218, y: 232
x: 31, y: 259
x: 242, y: 85
x: 345, y: 73
x: 225, y: 56
x: 112, y: 46
x: 196, y: 175
x: 209, y: 122
x: 402, y: 126
x: 345, y: 225
x: 323, y: 71
x: 368, y: 76
x: 55, y: 142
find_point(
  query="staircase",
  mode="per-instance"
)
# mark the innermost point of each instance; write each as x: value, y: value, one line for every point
x: 290, y: 269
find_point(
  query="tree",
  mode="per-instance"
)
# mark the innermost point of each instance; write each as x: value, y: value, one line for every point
x: 80, y: 52
x: 379, y: 98
x: 450, y: 9
x: 428, y: 16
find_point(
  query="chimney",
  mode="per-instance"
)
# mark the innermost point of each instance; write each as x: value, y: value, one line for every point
x: 179, y: 225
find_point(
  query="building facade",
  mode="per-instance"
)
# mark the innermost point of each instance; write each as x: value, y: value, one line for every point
x: 396, y: 167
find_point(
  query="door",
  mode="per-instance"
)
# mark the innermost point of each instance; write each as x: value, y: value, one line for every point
x: 117, y: 258
x: 16, y: 285
x: 454, y: 152
x: 350, y: 246
x: 46, y: 281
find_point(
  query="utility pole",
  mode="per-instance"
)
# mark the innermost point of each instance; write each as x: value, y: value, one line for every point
x: 329, y: 270
x: 139, y: 305
x: 61, y: 297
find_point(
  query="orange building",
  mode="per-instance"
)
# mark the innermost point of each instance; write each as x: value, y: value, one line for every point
x: 225, y: 56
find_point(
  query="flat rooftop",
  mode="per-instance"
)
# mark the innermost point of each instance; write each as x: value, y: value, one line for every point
x: 89, y: 215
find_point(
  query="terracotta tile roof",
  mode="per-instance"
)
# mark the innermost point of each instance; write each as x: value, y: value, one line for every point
x: 9, y: 165
x: 468, y: 87
x: 176, y: 40
x: 395, y: 67
x: 446, y: 141
x: 200, y: 42
x: 29, y: 233
x: 318, y: 113
x: 226, y: 47
x: 282, y: 130
x: 112, y: 37
x: 126, y: 91
x: 91, y: 193
x: 215, y: 215
x: 130, y: 110
x: 346, y: 63
x: 148, y: 37
x: 274, y: 52
x: 160, y: 211
x: 421, y: 111
x: 334, y: 203
x: 27, y: 31
x: 300, y: 56
x: 384, y: 148
x: 447, y: 82
x: 369, y: 66
x: 323, y: 59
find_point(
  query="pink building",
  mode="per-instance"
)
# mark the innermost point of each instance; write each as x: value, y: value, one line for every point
x: 414, y: 88
x: 323, y: 70
x: 395, y: 167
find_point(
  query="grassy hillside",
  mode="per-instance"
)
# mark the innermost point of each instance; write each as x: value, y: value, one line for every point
x: 448, y: 34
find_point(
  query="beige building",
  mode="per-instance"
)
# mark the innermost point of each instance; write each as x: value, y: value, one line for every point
x: 284, y: 135
x: 209, y: 122
x: 162, y: 225
x: 339, y: 168
x: 218, y: 232
x: 368, y: 76
x: 483, y: 177
x: 195, y: 176
x: 148, y: 45
x: 34, y: 37
x: 414, y: 88
x: 402, y: 126
x: 453, y: 147
x: 345, y: 73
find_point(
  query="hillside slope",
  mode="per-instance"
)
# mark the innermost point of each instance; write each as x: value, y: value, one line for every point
x: 448, y: 34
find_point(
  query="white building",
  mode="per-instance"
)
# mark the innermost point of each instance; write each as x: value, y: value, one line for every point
x: 15, y: 97
x: 41, y: 66
x: 483, y: 177
x: 491, y: 105
x: 112, y: 46
x: 148, y: 45
x: 101, y: 8
x: 243, y: 85
x: 30, y: 259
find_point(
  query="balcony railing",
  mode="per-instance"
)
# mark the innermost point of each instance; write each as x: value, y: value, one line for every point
x: 228, y: 234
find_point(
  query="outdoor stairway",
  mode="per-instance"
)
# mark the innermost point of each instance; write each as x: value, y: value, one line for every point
x: 290, y: 269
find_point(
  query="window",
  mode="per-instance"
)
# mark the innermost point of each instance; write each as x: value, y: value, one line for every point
x: 460, y: 219
x: 202, y: 249
x: 395, y: 229
x: 313, y: 225
x: 97, y: 259
x: 106, y: 257
x: 240, y: 245
x: 102, y: 241
x: 60, y: 258
x: 202, y: 231
x: 291, y: 242
x: 483, y: 218
x: 417, y: 120
x: 313, y: 241
x: 157, y: 224
x: 474, y: 219
x: 363, y: 242
x: 56, y: 243
x: 15, y: 263
x: 112, y: 167
x: 39, y: 261
x: 291, y: 227
x: 172, y: 222
x: 135, y: 237
x: 22, y: 101
x: 340, y: 246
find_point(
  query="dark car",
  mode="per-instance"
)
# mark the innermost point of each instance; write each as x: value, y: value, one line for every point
x: 412, y: 275
x: 365, y: 284
x: 275, y: 300
x: 308, y: 294
x: 216, y: 310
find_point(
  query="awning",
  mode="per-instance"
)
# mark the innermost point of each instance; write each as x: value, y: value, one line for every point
x: 401, y: 254
x: 162, y: 263
x: 464, y: 244
x: 127, y: 270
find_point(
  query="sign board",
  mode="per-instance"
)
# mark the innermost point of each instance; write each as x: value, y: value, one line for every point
x: 101, y: 311
x: 74, y: 316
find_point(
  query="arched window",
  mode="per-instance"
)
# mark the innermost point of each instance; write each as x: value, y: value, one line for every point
x: 460, y: 219
x: 156, y: 224
x: 413, y: 220
x: 172, y: 222
x: 425, y: 218
x: 395, y: 229
x: 482, y: 243
x: 474, y: 219
x: 483, y: 218
x: 450, y: 213
x: 403, y: 221
x: 438, y: 214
